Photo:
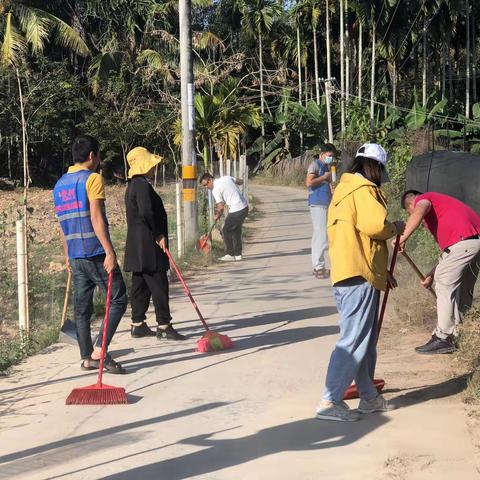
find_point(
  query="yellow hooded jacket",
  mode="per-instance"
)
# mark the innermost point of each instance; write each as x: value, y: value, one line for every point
x: 357, y: 231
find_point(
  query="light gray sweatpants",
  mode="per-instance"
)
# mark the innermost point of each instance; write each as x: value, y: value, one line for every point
x: 319, y: 238
x: 455, y: 279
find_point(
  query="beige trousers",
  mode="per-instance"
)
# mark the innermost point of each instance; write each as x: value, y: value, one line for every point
x: 455, y: 279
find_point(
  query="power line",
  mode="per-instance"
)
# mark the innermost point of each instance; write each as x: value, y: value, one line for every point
x: 407, y: 110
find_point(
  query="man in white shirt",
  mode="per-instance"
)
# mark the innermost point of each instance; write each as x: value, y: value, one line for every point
x: 225, y: 191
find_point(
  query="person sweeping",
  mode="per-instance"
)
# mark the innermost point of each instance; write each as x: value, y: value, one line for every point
x: 225, y: 191
x: 145, y: 257
x: 456, y: 229
x: 357, y: 231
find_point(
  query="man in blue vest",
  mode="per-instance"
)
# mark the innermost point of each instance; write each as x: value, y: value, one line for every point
x: 319, y: 196
x: 79, y: 198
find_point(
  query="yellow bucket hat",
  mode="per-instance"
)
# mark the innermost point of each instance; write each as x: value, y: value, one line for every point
x: 141, y: 161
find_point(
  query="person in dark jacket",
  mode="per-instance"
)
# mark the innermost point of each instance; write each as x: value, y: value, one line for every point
x: 145, y: 257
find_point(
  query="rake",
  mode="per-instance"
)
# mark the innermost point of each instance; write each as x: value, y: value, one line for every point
x: 211, y: 341
x: 99, y: 393
x: 352, y: 391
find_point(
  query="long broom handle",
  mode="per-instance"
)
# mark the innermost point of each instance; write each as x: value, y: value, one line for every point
x: 187, y: 291
x: 417, y: 271
x: 105, y: 327
x: 67, y: 297
x: 387, y: 290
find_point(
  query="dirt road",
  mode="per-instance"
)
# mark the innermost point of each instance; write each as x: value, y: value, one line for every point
x: 244, y: 413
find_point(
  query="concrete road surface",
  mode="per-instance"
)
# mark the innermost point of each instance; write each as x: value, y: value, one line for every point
x: 246, y: 413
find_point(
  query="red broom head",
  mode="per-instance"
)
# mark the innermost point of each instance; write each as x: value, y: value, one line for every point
x: 352, y: 392
x: 97, y: 395
x: 204, y: 244
x: 213, y: 342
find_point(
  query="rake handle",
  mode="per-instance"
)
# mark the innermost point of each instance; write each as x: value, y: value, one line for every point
x: 187, y: 291
x: 67, y: 296
x: 105, y: 327
x: 417, y: 271
x: 387, y: 290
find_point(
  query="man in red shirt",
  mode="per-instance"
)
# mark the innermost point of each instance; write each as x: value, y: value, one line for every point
x: 456, y: 229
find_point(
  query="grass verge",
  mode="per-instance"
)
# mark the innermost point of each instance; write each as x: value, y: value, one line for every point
x: 468, y: 355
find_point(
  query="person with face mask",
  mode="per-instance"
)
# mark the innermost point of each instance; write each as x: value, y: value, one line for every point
x: 358, y: 231
x: 318, y: 182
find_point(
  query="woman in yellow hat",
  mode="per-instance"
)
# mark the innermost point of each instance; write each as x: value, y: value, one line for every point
x: 147, y: 238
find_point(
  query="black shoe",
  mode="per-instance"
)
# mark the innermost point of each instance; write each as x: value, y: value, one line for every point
x: 142, y: 330
x: 436, y: 346
x: 169, y: 333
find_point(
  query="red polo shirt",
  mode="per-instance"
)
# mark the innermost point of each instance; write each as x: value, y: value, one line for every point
x: 449, y: 220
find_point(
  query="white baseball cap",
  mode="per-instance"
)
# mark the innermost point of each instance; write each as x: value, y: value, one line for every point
x: 373, y: 151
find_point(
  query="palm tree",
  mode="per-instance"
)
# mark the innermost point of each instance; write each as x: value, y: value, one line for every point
x: 23, y: 26
x: 257, y: 19
x: 308, y: 13
x: 221, y: 120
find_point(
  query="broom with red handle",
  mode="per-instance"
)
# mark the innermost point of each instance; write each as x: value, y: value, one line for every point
x: 99, y: 393
x: 211, y: 341
x: 352, y: 391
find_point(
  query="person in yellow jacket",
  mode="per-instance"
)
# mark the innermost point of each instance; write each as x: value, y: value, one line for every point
x: 358, y: 229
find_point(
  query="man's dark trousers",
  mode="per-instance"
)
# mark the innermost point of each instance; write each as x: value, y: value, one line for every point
x: 232, y: 232
x: 88, y: 273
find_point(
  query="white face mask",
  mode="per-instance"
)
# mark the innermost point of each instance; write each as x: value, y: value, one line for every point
x: 328, y: 160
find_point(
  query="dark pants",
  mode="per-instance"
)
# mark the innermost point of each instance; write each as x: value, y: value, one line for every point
x: 144, y: 286
x: 88, y: 273
x: 232, y: 232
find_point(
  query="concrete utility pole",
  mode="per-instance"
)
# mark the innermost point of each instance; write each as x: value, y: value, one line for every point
x: 189, y: 158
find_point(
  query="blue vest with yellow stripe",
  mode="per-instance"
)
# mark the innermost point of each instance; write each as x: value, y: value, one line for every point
x: 72, y: 208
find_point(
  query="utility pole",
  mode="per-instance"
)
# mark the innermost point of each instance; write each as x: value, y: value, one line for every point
x: 189, y: 158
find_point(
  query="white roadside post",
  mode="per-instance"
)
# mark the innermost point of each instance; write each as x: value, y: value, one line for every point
x: 220, y: 165
x: 21, y: 280
x: 178, y: 198
x: 241, y: 172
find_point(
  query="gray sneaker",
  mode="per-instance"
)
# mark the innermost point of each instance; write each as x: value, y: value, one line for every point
x: 339, y: 412
x: 378, y: 404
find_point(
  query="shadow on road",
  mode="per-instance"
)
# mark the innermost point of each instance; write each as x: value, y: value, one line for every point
x: 61, y: 451
x: 425, y: 393
x: 217, y: 454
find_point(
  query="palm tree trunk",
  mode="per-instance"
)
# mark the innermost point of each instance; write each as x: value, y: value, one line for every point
x: 474, y: 59
x: 342, y: 69
x: 444, y: 69
x: 315, y: 54
x: 306, y: 88
x: 329, y: 74
x: 372, y: 75
x: 347, y: 56
x: 262, y: 98
x: 299, y: 70
x: 299, y: 66
x: 467, y: 55
x: 360, y: 53
x: 424, y: 66
x: 450, y: 70
x: 394, y: 83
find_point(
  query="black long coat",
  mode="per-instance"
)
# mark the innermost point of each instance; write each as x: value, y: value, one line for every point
x: 146, y: 221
